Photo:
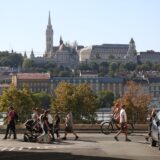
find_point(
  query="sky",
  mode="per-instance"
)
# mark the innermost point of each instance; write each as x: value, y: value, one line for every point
x: 90, y: 22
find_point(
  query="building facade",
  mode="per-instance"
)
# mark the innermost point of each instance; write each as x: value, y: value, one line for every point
x: 110, y: 52
x: 149, y: 56
x: 97, y: 84
x: 37, y: 82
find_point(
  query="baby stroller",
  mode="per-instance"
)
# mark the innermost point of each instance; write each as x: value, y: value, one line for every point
x: 33, y: 130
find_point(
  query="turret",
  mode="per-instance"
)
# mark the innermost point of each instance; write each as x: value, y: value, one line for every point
x: 32, y: 55
x: 25, y: 55
x: 132, y: 48
x: 60, y: 41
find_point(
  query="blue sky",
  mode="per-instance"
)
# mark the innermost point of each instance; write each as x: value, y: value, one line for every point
x: 23, y: 23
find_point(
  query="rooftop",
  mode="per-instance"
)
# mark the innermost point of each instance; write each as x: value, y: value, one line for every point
x: 33, y: 76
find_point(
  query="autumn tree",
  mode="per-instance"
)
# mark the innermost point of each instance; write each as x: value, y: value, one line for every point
x: 79, y: 98
x: 21, y: 100
x: 136, y: 102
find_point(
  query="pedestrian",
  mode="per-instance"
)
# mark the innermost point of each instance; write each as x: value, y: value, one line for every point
x: 123, y: 123
x: 152, y: 116
x: 45, y: 137
x: 116, y: 115
x: 35, y: 114
x: 11, y: 123
x: 69, y: 125
x: 57, y: 126
x: 50, y: 123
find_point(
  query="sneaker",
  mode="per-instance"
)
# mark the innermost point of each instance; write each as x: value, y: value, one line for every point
x: 128, y: 140
x: 116, y: 138
x: 64, y: 138
x: 76, y: 137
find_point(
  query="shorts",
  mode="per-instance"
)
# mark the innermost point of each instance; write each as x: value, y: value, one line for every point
x: 69, y: 129
x: 124, y: 126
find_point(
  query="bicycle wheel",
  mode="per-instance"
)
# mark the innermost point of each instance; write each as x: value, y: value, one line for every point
x: 106, y: 128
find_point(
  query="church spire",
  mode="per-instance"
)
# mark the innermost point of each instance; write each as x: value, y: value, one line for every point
x: 60, y: 41
x: 49, y: 38
x: 49, y: 20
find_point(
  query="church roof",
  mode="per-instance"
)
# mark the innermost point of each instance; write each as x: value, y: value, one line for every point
x: 62, y: 47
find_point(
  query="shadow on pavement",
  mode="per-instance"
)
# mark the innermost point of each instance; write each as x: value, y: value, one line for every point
x: 49, y: 156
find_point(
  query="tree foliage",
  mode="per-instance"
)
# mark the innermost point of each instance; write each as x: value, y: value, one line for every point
x: 79, y: 98
x: 21, y: 100
x: 27, y: 63
x: 136, y: 102
x: 43, y: 100
x: 10, y: 59
x: 105, y: 99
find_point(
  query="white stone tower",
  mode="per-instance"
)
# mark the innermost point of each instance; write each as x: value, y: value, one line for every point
x: 131, y: 55
x: 132, y: 48
x: 49, y: 38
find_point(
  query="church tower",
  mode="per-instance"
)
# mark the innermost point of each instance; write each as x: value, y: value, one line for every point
x: 49, y: 38
x: 131, y: 55
x: 132, y: 48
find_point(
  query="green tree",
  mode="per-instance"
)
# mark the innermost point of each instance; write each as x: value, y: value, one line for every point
x: 79, y: 98
x: 27, y: 64
x: 10, y: 59
x: 21, y: 100
x: 113, y: 67
x: 111, y: 57
x: 42, y: 99
x: 104, y: 67
x: 65, y: 74
x: 94, y: 66
x: 105, y: 99
x: 84, y: 66
x: 85, y: 102
x: 130, y: 66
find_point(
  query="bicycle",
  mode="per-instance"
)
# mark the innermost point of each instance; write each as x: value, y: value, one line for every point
x: 111, y: 126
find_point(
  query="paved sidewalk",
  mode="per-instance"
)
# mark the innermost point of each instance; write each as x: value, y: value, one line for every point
x: 90, y: 146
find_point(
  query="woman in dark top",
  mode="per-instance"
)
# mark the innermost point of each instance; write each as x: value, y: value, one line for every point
x: 45, y: 123
x: 57, y: 125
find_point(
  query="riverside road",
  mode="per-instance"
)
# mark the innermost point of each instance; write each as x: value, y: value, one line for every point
x: 90, y: 146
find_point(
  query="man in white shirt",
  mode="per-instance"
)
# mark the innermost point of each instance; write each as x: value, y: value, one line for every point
x: 123, y: 122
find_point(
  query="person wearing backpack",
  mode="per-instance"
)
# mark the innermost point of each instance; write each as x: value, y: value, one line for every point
x: 11, y: 123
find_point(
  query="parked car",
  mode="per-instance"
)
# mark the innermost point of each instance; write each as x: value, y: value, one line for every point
x: 155, y: 130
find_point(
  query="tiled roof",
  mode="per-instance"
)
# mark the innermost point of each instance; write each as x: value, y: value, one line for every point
x: 33, y: 76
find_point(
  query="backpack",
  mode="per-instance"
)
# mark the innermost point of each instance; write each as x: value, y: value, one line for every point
x: 16, y: 117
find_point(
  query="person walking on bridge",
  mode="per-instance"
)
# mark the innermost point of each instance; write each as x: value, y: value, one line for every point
x: 123, y: 123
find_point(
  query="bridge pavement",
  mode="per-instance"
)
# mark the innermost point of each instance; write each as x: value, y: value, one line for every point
x: 90, y: 146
